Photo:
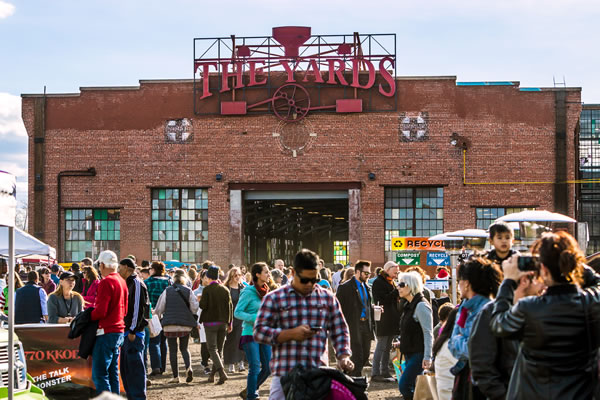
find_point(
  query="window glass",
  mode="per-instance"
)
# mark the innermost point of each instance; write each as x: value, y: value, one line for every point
x: 180, y: 225
x: 88, y: 232
x: 413, y: 212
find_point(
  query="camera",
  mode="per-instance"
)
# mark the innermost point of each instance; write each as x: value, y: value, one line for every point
x: 528, y: 262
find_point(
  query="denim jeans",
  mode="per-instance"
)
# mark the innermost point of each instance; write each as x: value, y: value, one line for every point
x: 105, y: 367
x: 258, y: 356
x: 414, y: 367
x: 133, y: 373
x: 158, y: 352
x: 381, y: 356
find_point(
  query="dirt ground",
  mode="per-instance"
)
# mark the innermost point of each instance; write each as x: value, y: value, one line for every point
x: 200, y: 389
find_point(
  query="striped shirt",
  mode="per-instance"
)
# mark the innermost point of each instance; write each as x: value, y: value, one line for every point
x: 285, y: 308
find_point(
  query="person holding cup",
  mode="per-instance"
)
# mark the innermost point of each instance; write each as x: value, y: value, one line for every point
x: 386, y: 296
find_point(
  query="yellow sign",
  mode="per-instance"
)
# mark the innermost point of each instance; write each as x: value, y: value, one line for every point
x: 416, y: 243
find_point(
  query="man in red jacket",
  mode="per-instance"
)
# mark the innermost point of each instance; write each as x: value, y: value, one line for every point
x: 109, y: 310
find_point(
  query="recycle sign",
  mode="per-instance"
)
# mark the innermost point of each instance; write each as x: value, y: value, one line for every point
x: 437, y: 259
x: 408, y: 258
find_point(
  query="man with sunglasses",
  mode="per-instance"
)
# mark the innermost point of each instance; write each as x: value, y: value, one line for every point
x: 355, y: 298
x: 296, y: 320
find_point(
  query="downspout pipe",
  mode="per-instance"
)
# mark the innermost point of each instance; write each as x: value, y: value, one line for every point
x: 84, y: 172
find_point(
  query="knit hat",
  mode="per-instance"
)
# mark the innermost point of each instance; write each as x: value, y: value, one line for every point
x: 213, y: 273
x: 443, y: 274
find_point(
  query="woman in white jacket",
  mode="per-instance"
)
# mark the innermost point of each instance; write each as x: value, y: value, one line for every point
x: 444, y: 360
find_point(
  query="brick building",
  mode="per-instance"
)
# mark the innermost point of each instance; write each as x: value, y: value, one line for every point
x: 136, y: 170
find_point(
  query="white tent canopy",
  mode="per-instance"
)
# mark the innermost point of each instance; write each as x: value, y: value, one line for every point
x: 536, y: 216
x: 25, y: 244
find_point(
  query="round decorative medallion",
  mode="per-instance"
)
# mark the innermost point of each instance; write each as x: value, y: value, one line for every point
x: 295, y: 137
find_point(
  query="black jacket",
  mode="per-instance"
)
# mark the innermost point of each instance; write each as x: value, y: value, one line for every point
x: 138, y: 305
x: 82, y: 325
x: 351, y: 304
x: 557, y: 359
x: 491, y: 358
x: 314, y: 383
x: 386, y: 295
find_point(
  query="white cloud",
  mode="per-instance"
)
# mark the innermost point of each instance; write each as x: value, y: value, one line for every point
x: 18, y: 169
x: 6, y: 9
x: 11, y: 123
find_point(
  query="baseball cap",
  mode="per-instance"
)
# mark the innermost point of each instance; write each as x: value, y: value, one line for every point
x: 67, y: 275
x: 128, y: 262
x: 108, y: 257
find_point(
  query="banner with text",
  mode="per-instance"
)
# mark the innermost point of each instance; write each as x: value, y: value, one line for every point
x: 53, y: 363
x: 408, y: 258
x: 438, y: 259
x: 416, y: 243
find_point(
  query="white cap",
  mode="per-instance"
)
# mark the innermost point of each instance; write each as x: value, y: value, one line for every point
x: 388, y: 265
x: 108, y: 258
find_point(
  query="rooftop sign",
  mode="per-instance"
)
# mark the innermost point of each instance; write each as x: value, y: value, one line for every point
x: 291, y: 68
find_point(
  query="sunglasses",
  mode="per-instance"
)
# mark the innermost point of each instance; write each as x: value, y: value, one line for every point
x: 304, y: 281
x: 402, y: 284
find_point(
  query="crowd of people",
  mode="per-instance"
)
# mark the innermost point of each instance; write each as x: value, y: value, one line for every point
x: 524, y: 326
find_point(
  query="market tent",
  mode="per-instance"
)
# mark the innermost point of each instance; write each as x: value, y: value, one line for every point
x: 25, y: 244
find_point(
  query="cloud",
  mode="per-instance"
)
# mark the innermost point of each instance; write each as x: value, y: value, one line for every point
x: 11, y: 123
x: 6, y: 9
x: 18, y: 169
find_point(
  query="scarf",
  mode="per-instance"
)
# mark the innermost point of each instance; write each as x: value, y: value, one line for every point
x: 262, y: 290
x: 388, y: 278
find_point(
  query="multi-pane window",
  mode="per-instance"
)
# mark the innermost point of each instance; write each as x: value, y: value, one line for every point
x: 180, y: 224
x: 485, y: 216
x: 589, y: 169
x: 340, y: 252
x: 90, y: 231
x: 413, y: 212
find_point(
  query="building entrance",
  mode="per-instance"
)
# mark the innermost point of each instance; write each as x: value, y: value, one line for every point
x: 278, y: 224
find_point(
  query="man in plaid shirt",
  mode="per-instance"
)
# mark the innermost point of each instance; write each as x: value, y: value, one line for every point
x: 296, y: 320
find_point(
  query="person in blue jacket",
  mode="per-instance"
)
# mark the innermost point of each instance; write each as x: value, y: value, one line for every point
x: 257, y: 354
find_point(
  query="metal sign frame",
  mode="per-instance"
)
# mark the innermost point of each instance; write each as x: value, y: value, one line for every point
x: 261, y: 62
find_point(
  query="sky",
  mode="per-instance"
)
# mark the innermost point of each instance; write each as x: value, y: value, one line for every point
x: 64, y: 45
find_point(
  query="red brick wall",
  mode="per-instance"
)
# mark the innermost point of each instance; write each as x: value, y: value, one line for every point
x: 121, y: 134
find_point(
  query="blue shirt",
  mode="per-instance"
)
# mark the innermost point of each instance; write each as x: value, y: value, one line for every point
x: 55, y: 279
x: 363, y: 297
x: 458, y: 342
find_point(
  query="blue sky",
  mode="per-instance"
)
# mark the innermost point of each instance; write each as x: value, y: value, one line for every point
x: 67, y: 44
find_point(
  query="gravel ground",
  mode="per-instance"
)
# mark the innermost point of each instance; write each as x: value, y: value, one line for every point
x: 200, y: 389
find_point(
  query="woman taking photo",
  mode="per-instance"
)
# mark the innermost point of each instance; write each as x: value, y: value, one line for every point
x: 64, y: 304
x: 557, y: 330
x: 478, y: 282
x: 46, y: 281
x: 232, y: 354
x: 90, y: 286
x: 416, y: 330
x: 177, y: 306
x: 258, y: 355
